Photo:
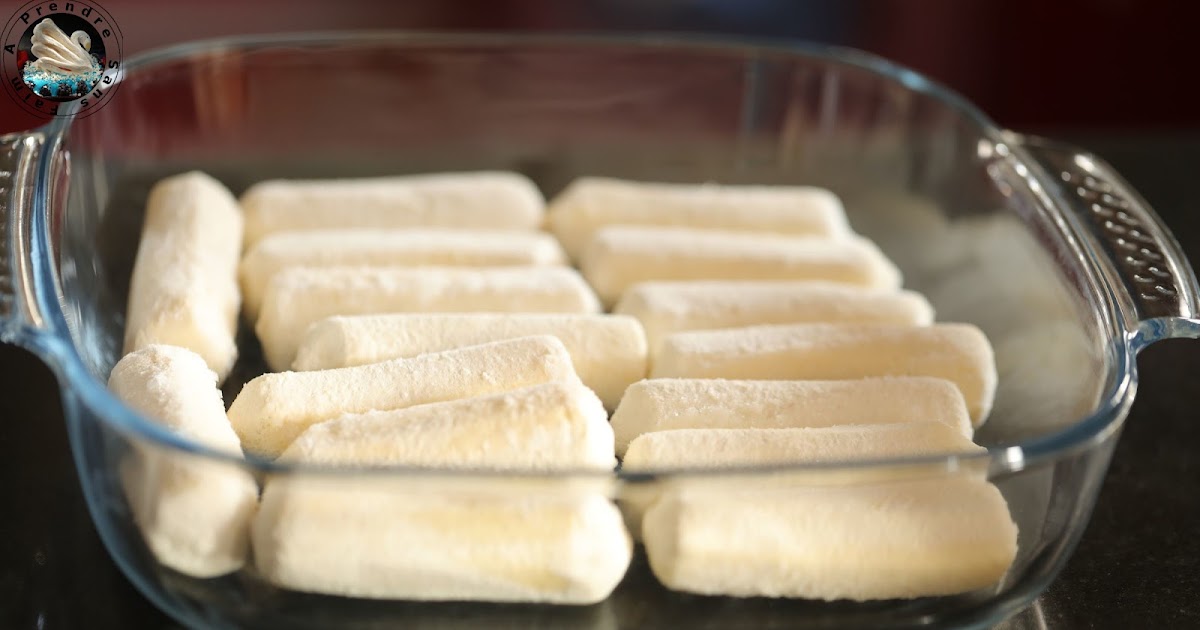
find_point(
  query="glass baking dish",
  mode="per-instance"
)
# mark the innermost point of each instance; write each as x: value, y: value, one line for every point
x: 1041, y: 245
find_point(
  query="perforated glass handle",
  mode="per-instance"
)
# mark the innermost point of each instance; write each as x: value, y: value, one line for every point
x: 1157, y: 283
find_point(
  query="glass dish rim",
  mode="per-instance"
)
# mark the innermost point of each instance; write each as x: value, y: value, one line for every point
x: 76, y: 380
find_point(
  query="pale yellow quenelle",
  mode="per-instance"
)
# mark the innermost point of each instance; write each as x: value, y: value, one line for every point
x: 608, y: 351
x: 273, y: 409
x: 664, y: 404
x: 705, y: 449
x: 193, y: 511
x: 619, y: 257
x: 670, y: 307
x: 297, y: 298
x: 473, y: 200
x: 184, y: 289
x: 425, y: 539
x: 551, y: 426
x: 724, y: 448
x: 881, y: 540
x: 592, y: 203
x: 959, y: 353
x: 382, y: 248
x: 859, y: 533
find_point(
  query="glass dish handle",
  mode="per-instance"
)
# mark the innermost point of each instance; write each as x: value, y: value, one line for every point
x: 1160, y: 289
x: 21, y: 254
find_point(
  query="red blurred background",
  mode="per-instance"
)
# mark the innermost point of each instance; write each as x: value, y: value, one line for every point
x: 1031, y: 64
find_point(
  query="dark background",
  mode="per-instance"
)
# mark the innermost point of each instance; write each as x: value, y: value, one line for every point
x: 1031, y: 64
x: 1116, y: 76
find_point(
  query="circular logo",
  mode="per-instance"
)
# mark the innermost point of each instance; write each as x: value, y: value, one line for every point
x: 58, y: 52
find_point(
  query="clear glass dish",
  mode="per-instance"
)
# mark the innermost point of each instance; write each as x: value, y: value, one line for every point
x: 1044, y: 247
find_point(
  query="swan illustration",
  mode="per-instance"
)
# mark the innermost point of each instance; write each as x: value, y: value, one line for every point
x: 58, y: 53
x: 63, y: 68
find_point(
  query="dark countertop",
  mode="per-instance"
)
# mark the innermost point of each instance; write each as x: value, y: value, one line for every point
x: 1138, y: 565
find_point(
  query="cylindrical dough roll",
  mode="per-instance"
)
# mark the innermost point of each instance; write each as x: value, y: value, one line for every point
x: 297, y: 298
x: 609, y: 351
x: 591, y: 203
x: 384, y: 539
x: 552, y: 426
x: 664, y: 404
x: 194, y: 513
x: 380, y: 248
x: 880, y: 541
x: 619, y: 257
x: 724, y: 448
x: 959, y: 353
x: 184, y: 288
x: 670, y: 307
x: 749, y: 448
x: 482, y: 200
x: 273, y: 409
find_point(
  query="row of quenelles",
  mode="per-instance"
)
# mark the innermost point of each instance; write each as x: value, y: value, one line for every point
x: 389, y: 537
x: 516, y: 405
x: 384, y: 388
x: 293, y: 280
x: 735, y: 381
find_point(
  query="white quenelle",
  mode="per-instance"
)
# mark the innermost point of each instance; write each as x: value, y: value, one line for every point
x: 297, y: 298
x: 273, y: 409
x: 670, y: 307
x: 194, y: 513
x: 886, y: 540
x: 724, y: 448
x: 391, y: 539
x: 478, y: 200
x: 746, y: 448
x: 619, y: 257
x: 609, y: 351
x: 552, y: 426
x: 665, y: 404
x: 959, y: 353
x: 382, y: 248
x: 592, y: 203
x: 184, y: 290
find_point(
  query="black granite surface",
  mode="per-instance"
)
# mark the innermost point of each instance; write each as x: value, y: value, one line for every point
x: 1138, y: 565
